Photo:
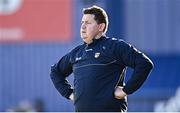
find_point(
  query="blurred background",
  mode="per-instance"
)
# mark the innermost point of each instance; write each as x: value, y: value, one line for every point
x: 34, y: 34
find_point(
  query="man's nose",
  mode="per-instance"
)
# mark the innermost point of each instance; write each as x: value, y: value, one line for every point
x: 83, y: 26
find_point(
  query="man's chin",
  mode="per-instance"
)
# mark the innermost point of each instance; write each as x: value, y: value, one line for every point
x: 85, y: 40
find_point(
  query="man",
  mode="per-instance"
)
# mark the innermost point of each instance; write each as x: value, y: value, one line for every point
x: 99, y: 67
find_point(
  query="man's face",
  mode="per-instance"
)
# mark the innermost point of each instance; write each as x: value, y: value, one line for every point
x: 89, y: 28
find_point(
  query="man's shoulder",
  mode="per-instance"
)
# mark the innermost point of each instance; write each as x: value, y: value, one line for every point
x: 77, y: 48
x: 114, y: 40
x: 113, y: 43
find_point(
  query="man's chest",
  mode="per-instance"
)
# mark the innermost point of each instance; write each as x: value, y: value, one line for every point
x: 93, y: 56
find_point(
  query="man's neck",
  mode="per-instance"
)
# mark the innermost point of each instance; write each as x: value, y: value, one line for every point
x: 98, y: 36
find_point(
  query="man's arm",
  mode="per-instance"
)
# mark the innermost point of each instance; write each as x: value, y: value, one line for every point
x: 135, y: 59
x: 58, y: 75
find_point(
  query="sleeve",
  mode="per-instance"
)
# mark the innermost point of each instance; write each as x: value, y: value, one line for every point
x: 59, y: 72
x: 131, y: 57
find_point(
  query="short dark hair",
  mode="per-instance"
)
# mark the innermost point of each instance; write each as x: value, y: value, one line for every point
x: 100, y: 15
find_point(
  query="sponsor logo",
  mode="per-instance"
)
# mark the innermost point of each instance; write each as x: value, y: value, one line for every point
x: 78, y: 58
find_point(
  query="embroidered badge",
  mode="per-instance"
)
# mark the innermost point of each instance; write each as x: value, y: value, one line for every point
x: 97, y: 55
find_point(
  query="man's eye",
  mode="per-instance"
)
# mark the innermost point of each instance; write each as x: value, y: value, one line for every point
x: 85, y: 22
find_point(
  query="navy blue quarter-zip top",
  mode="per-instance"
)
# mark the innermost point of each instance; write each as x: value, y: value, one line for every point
x: 98, y: 69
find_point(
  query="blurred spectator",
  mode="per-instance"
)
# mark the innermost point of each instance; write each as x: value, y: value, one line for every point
x: 39, y: 105
x: 27, y: 106
x: 172, y: 105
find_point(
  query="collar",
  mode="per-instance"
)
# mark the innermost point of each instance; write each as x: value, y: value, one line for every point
x: 95, y: 41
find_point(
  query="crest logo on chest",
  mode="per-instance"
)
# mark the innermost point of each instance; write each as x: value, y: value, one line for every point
x: 97, y: 55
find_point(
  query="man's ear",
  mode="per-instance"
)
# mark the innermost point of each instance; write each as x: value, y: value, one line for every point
x: 101, y: 27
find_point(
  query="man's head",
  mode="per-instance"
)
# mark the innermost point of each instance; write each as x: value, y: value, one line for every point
x: 94, y: 23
